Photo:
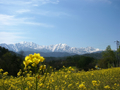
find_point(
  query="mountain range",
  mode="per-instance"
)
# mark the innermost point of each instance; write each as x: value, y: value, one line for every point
x: 57, y: 50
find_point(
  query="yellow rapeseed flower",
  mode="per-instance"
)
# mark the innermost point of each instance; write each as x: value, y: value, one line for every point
x: 18, y: 74
x: 70, y: 67
x: 82, y: 86
x: 118, y: 85
x: 29, y: 67
x: 1, y: 70
x: 27, y: 58
x: 5, y: 73
x: 26, y: 62
x: 107, y: 87
x: 115, y: 84
x: 36, y: 55
x: 33, y: 64
x: 42, y: 59
x: 26, y: 88
x: 42, y: 67
x: 41, y: 85
x: 30, y: 56
x: 96, y: 66
x: 36, y: 60
x: 94, y: 83
x: 92, y: 74
x: 29, y: 84
x: 69, y: 85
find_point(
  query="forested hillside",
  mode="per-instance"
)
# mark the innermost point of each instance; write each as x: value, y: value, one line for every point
x: 10, y: 61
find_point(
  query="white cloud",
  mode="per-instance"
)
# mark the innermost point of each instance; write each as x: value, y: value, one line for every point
x: 12, y: 20
x: 10, y: 37
x: 30, y: 2
x: 38, y: 24
x: 49, y: 1
x: 51, y: 13
x: 35, y: 5
x: 4, y: 19
x: 15, y: 2
x: 23, y: 11
x: 59, y: 14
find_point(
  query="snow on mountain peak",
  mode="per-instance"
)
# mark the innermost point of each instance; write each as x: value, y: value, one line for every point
x: 28, y: 46
x: 24, y: 42
x: 61, y: 45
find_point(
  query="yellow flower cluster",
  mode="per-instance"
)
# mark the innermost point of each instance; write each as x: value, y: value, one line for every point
x: 42, y: 67
x: 96, y: 83
x: 5, y: 73
x: 33, y: 59
x: 82, y: 86
x: 18, y: 74
x: 1, y: 70
x: 107, y: 87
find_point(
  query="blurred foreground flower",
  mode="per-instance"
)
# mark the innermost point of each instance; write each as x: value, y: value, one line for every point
x: 33, y: 59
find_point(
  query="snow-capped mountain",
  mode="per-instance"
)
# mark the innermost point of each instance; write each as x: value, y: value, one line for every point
x: 30, y: 46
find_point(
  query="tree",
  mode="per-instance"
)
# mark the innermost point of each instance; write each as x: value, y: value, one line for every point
x: 108, y: 58
x: 10, y: 61
x: 118, y: 56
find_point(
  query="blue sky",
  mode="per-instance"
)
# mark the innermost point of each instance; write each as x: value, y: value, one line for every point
x: 77, y: 23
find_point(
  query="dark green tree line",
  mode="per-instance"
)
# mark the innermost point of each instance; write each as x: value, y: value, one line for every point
x: 9, y: 61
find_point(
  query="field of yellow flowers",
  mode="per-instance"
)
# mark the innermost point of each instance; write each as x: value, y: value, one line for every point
x: 64, y: 79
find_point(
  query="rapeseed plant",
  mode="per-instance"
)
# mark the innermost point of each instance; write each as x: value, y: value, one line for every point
x: 107, y: 87
x: 64, y: 79
x: 82, y: 86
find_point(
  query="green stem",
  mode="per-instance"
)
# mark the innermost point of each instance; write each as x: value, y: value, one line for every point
x: 46, y: 73
x: 36, y: 83
x: 36, y: 77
